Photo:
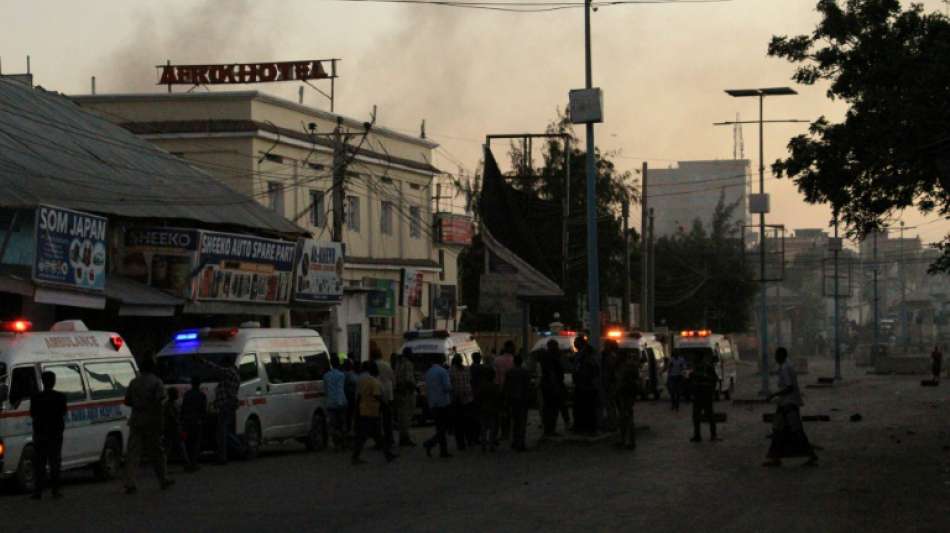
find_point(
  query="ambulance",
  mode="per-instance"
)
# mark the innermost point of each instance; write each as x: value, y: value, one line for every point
x: 652, y: 355
x: 436, y: 347
x: 281, y: 396
x: 695, y: 344
x: 93, y: 369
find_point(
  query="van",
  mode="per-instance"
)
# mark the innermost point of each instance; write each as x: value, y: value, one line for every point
x: 281, y: 396
x: 93, y: 369
x: 436, y: 347
x: 696, y: 344
x: 565, y: 340
x: 652, y: 355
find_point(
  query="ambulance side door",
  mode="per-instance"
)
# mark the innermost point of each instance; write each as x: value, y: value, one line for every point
x: 79, y: 440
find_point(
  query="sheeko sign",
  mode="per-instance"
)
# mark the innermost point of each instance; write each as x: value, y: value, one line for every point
x: 311, y: 69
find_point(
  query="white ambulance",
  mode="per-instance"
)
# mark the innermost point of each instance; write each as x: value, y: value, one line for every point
x: 281, y: 396
x: 93, y: 369
x: 651, y: 353
x: 436, y: 347
x: 700, y: 343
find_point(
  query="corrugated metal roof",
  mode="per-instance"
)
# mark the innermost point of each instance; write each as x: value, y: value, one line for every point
x: 54, y: 152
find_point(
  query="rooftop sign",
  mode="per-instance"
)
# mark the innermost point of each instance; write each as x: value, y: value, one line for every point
x: 311, y: 69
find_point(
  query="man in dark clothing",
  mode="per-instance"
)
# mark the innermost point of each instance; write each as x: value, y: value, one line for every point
x: 172, y: 428
x: 476, y: 380
x: 586, y: 375
x: 517, y: 391
x: 703, y: 381
x: 226, y: 404
x: 146, y: 396
x: 48, y: 411
x: 194, y: 408
x: 552, y: 387
x: 625, y: 392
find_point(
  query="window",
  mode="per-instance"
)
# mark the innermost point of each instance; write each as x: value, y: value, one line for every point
x: 109, y: 379
x: 275, y: 196
x: 317, y: 214
x: 68, y: 381
x: 179, y: 369
x: 274, y: 158
x: 247, y: 369
x: 23, y: 384
x: 352, y: 213
x: 415, y: 222
x: 386, y: 219
x: 441, y: 265
x: 316, y: 365
x: 316, y: 166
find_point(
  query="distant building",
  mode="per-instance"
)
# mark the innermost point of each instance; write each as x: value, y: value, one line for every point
x: 691, y: 190
x: 804, y: 240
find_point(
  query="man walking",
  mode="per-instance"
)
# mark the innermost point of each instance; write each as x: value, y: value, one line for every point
x: 405, y: 396
x: 48, y: 411
x: 369, y: 399
x: 146, y: 396
x: 387, y: 379
x: 475, y: 377
x: 334, y: 384
x: 503, y: 363
x: 517, y: 392
x: 439, y: 397
x: 194, y: 409
x: 552, y: 387
x: 703, y: 381
x: 788, y: 434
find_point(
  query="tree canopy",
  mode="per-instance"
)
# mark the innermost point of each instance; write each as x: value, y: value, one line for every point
x: 890, y: 65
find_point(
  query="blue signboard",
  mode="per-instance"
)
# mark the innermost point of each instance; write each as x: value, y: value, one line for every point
x: 240, y: 268
x: 319, y: 272
x: 70, y: 249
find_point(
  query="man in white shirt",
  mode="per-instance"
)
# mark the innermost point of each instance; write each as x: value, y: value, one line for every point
x: 788, y: 434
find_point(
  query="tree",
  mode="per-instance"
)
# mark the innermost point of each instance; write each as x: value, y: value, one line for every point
x: 702, y: 279
x: 890, y: 66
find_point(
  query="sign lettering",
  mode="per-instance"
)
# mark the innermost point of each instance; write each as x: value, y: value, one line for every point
x: 311, y: 69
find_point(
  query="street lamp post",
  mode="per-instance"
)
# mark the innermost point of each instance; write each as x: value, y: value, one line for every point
x: 593, y: 262
x: 762, y: 209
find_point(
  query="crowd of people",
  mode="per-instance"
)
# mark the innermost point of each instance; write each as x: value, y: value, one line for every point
x: 481, y: 404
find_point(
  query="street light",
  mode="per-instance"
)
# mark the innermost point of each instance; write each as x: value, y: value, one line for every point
x: 761, y: 206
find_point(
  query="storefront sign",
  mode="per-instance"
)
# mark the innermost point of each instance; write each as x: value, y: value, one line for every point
x: 454, y: 229
x: 381, y: 300
x: 319, y: 272
x: 443, y: 301
x: 411, y: 287
x: 311, y: 69
x: 163, y: 258
x: 70, y: 249
x: 238, y: 268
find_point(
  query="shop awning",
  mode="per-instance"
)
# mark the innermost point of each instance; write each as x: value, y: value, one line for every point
x: 137, y: 299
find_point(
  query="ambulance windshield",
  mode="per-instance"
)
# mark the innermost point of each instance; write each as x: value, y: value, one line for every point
x: 179, y: 369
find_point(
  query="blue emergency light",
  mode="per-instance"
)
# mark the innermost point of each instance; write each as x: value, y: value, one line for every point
x: 186, y: 336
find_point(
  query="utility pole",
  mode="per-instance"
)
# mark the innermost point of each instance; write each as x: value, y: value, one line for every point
x: 567, y: 210
x: 593, y: 262
x: 339, y: 178
x: 837, y: 330
x: 644, y: 252
x: 877, y: 313
x: 651, y: 296
x: 900, y: 267
x: 762, y: 208
x: 625, y: 310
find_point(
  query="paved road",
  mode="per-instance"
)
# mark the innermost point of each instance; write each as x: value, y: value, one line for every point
x: 889, y: 472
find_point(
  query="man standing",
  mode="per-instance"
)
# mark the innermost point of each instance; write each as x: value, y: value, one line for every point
x: 788, y: 434
x: 606, y: 386
x: 936, y: 364
x: 387, y: 379
x: 405, y: 395
x: 194, y: 408
x: 369, y: 398
x: 703, y: 381
x: 226, y: 405
x: 475, y: 378
x: 517, y: 392
x: 439, y: 397
x: 333, y: 384
x: 552, y: 387
x: 48, y: 411
x: 628, y: 381
x: 585, y: 388
x: 146, y: 396
x: 503, y: 363
x: 462, y: 396
x: 674, y: 378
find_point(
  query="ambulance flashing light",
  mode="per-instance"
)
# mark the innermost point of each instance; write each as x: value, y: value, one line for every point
x: 695, y: 333
x: 16, y: 326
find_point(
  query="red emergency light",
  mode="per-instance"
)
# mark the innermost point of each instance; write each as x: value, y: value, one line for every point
x: 222, y: 333
x: 693, y: 333
x: 567, y: 333
x: 614, y: 334
x: 16, y: 326
x: 117, y: 342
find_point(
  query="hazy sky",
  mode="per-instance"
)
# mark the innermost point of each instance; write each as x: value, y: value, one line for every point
x: 663, y: 68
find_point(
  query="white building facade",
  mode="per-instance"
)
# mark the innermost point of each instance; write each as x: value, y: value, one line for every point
x: 691, y: 190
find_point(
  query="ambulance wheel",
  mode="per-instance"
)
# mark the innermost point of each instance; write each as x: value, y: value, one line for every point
x: 25, y: 479
x: 252, y: 438
x: 317, y: 438
x: 110, y: 462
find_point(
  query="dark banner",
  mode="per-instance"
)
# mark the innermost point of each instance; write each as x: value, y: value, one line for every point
x: 70, y: 249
